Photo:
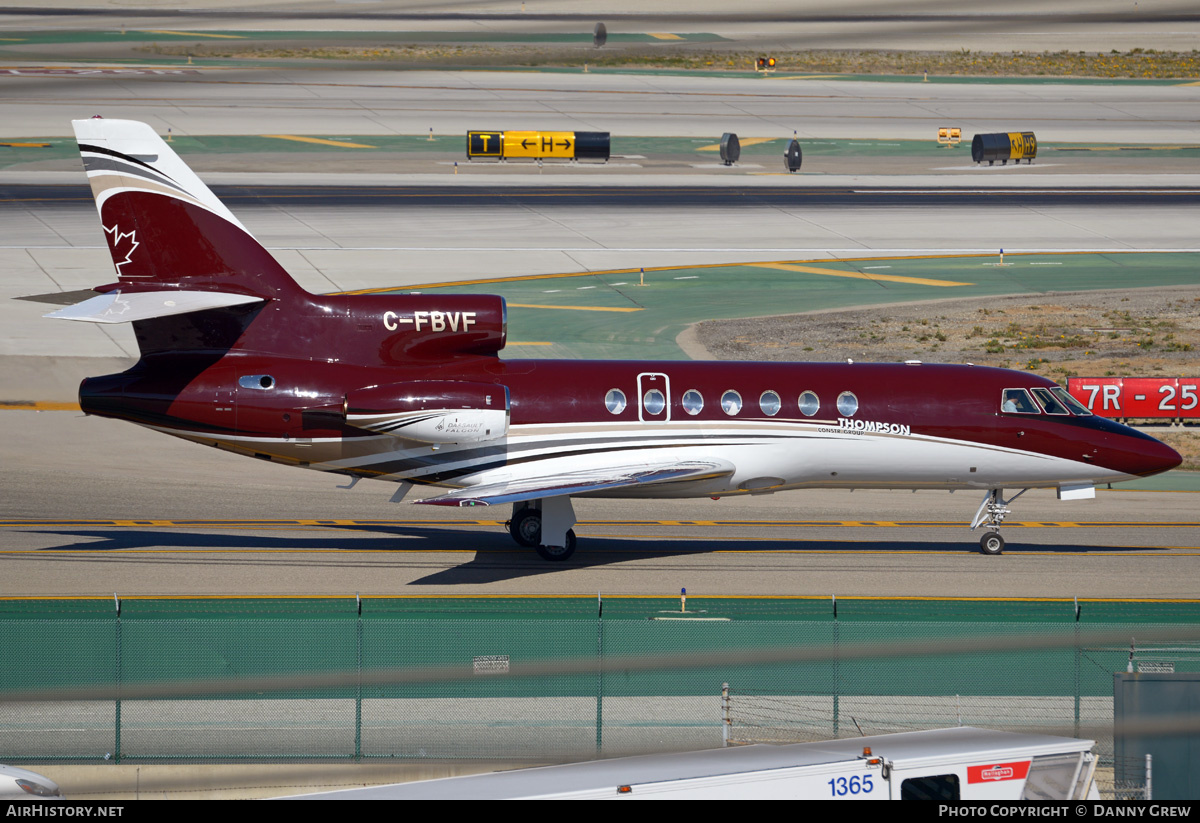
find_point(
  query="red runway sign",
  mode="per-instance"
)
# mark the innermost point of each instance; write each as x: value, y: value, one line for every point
x: 1149, y: 397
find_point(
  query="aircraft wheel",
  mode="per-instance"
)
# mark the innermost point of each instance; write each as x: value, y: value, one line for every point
x: 559, y: 552
x: 991, y: 543
x: 526, y: 527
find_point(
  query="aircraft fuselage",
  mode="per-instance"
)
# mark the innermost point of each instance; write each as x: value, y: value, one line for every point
x: 911, y: 425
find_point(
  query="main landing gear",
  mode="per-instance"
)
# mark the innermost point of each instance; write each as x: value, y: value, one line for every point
x: 545, y: 525
x: 991, y: 514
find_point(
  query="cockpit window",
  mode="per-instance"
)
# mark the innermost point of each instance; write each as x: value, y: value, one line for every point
x: 1018, y: 401
x: 1070, y: 402
x: 1049, y: 403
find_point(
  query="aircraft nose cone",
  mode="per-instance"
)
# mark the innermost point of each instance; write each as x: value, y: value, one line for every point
x: 1156, y: 457
x: 1132, y: 452
x: 1144, y: 456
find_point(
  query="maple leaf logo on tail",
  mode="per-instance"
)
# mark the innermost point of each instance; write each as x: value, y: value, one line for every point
x: 122, y: 245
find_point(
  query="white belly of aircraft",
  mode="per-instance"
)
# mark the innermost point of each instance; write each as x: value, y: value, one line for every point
x: 765, y: 458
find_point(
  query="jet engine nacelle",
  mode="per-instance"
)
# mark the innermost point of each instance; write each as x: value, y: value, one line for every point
x: 432, y: 411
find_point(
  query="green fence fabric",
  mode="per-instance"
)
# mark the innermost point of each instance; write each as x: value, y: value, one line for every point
x: 553, y: 679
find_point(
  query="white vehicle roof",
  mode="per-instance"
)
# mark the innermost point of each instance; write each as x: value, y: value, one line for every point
x: 904, y: 750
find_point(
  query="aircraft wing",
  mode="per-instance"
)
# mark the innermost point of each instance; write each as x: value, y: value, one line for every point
x: 116, y: 307
x: 583, y: 482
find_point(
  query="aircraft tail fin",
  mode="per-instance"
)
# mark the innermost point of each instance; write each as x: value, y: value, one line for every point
x: 165, y: 229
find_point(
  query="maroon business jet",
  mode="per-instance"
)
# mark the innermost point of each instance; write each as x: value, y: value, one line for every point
x: 411, y: 388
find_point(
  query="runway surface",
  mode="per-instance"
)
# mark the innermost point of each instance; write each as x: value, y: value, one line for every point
x: 370, y: 101
x: 348, y: 238
x: 644, y: 196
x: 764, y: 24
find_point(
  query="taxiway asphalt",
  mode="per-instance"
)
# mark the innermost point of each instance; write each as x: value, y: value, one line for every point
x: 97, y: 506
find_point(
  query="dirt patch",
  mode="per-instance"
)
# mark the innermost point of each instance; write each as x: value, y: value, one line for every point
x: 1136, y: 63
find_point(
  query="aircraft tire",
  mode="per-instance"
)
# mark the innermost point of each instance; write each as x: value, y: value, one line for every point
x: 559, y: 553
x: 991, y: 544
x: 526, y: 528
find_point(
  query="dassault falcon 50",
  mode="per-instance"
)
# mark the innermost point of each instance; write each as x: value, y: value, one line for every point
x: 411, y: 388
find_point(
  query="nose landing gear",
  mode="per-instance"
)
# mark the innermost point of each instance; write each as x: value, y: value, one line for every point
x: 991, y: 514
x: 991, y: 543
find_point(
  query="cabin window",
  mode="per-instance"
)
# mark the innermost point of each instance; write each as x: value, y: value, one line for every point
x: 731, y: 402
x: 614, y: 401
x: 810, y: 404
x: 769, y: 403
x: 934, y: 787
x: 1049, y: 403
x: 1070, y: 402
x: 653, y: 402
x: 256, y: 381
x: 693, y: 401
x: 847, y: 404
x: 1018, y: 401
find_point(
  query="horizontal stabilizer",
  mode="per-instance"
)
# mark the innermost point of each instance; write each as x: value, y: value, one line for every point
x: 116, y: 307
x: 583, y: 482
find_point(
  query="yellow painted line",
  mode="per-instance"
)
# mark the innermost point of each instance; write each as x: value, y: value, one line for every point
x: 649, y: 269
x: 1193, y: 83
x: 855, y: 275
x: 195, y: 34
x: 13, y: 39
x: 26, y: 145
x: 663, y: 36
x: 510, y: 344
x: 320, y: 141
x: 740, y: 524
x: 37, y: 405
x: 805, y: 76
x: 952, y: 256
x: 1150, y: 552
x: 574, y: 308
x: 744, y: 141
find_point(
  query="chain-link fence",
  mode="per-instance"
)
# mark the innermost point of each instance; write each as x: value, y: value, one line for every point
x: 541, y: 681
x: 1129, y: 778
